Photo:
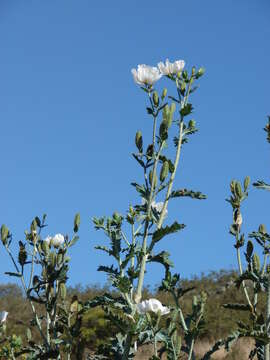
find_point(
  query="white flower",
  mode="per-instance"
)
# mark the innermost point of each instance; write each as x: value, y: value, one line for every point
x: 48, y: 240
x: 171, y: 68
x: 146, y: 75
x: 153, y: 305
x: 58, y: 240
x: 158, y: 207
x: 3, y: 316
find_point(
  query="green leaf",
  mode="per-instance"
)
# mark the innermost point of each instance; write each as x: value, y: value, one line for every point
x: 136, y: 157
x: 160, y: 233
x: 141, y: 189
x: 188, y: 193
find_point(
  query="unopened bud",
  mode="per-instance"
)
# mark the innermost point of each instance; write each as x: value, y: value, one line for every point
x: 164, y: 93
x: 155, y: 99
x: 139, y: 140
x: 164, y: 171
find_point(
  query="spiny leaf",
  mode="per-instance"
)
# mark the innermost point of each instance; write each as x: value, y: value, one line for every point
x: 189, y: 193
x: 160, y: 233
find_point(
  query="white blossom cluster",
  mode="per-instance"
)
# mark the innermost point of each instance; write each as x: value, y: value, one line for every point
x: 56, y: 240
x: 148, y: 75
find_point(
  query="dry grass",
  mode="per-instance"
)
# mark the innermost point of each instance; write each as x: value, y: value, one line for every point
x: 240, y: 351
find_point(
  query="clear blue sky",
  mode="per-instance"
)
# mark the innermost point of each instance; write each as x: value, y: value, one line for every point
x: 69, y: 110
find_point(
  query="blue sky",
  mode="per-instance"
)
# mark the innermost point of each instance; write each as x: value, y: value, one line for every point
x: 69, y: 111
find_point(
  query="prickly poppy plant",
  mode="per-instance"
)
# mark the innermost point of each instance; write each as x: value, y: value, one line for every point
x: 41, y: 262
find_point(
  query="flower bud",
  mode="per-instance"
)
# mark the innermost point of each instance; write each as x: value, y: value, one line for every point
x: 139, y: 141
x: 52, y: 258
x: 45, y: 247
x: 256, y: 262
x: 77, y: 222
x: 200, y: 73
x: 4, y: 234
x: 164, y: 171
x: 232, y: 186
x: 238, y: 189
x: 193, y: 71
x: 155, y: 99
x: 164, y: 93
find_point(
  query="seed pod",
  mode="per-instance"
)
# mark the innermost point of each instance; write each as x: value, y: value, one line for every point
x: 238, y: 189
x: 139, y: 141
x: 4, y: 234
x: 22, y: 257
x: 249, y: 248
x: 63, y: 291
x: 256, y: 262
x: 164, y: 93
x: 237, y: 218
x: 150, y: 150
x: 151, y: 179
x: 164, y: 171
x: 155, y: 99
x: 163, y: 130
x: 262, y: 229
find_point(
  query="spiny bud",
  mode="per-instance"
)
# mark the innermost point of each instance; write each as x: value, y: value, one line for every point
x: 268, y: 269
x: 256, y: 262
x: 155, y: 99
x: 33, y: 226
x: 164, y: 171
x: 4, y: 234
x: 193, y: 71
x: 139, y: 140
x: 246, y: 183
x: 164, y: 93
x: 59, y: 258
x: 22, y: 257
x: 262, y: 229
x: 151, y: 180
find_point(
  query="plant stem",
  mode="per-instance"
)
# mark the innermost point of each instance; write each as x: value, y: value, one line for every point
x: 190, y: 354
x: 243, y: 283
x: 267, y: 347
x: 127, y: 346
